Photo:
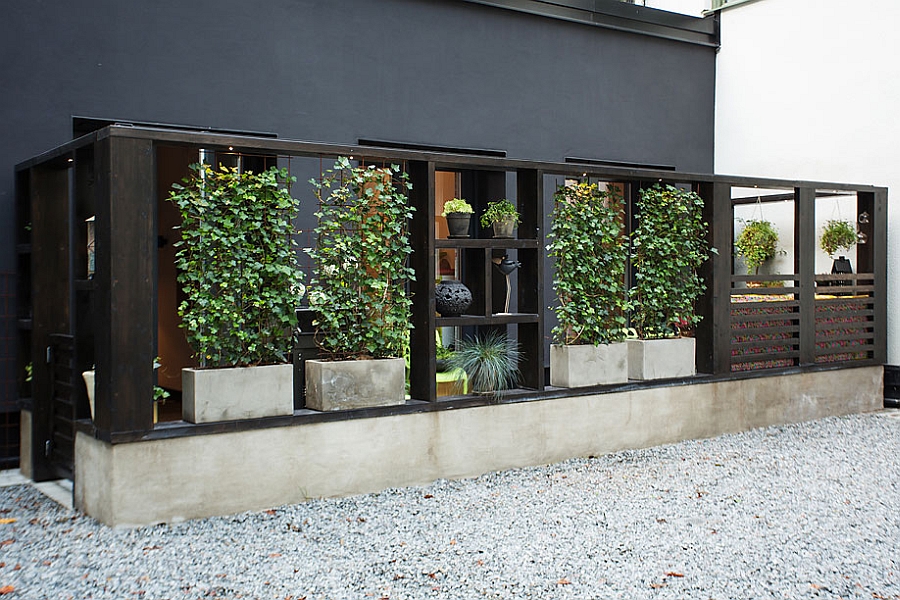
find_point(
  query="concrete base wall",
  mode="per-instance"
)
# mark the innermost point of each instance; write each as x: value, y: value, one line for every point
x: 197, y: 476
x: 25, y: 438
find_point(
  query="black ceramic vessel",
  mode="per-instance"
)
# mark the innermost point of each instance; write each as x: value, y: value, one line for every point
x: 452, y: 298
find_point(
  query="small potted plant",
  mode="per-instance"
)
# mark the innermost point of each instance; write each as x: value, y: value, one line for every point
x: 238, y: 268
x: 490, y: 361
x: 503, y: 215
x: 667, y: 247
x: 458, y: 213
x: 358, y: 289
x: 588, y: 246
x: 757, y: 243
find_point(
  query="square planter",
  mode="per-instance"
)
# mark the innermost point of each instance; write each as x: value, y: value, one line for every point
x: 231, y: 394
x: 661, y: 359
x: 349, y: 384
x: 583, y: 365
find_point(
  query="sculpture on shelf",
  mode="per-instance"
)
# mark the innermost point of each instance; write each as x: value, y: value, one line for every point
x: 506, y: 267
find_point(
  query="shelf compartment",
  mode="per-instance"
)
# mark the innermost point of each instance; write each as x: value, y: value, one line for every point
x: 496, y: 319
x: 498, y: 243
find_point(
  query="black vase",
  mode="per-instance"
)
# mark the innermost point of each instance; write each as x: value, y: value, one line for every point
x: 452, y: 298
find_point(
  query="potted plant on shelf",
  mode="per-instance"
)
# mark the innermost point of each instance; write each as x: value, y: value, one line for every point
x: 667, y: 247
x: 458, y: 213
x: 490, y: 362
x: 238, y: 269
x: 838, y: 235
x: 757, y: 243
x: 589, y: 249
x: 503, y: 216
x: 358, y: 289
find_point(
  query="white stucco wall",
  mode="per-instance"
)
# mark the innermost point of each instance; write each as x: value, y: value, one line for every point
x: 809, y: 89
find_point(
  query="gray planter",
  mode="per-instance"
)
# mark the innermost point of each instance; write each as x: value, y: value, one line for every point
x: 504, y: 229
x: 584, y: 365
x: 232, y: 394
x: 349, y: 384
x: 661, y: 359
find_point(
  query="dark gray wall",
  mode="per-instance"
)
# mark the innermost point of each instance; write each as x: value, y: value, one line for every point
x: 430, y: 71
x: 442, y: 72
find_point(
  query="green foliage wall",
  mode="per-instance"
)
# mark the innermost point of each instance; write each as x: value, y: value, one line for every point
x: 237, y: 265
x: 361, y: 262
x: 589, y: 248
x: 668, y: 246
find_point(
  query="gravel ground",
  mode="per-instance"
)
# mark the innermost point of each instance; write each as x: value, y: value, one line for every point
x: 806, y: 511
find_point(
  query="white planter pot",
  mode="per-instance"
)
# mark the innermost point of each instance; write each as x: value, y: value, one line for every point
x: 231, y: 394
x: 661, y: 359
x: 349, y: 384
x: 583, y: 365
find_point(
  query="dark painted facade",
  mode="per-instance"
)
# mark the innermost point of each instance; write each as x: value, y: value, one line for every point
x: 583, y: 83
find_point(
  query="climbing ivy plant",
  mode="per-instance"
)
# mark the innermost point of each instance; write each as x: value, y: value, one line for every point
x: 237, y: 265
x: 668, y: 245
x: 589, y: 248
x: 361, y: 268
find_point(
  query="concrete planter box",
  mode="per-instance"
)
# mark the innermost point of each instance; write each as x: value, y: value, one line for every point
x: 348, y: 384
x: 661, y: 359
x: 232, y: 394
x: 579, y: 366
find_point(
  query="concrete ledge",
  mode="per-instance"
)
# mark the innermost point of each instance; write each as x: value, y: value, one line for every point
x: 190, y: 477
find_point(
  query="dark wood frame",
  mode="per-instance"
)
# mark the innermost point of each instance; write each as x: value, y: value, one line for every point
x: 113, y: 315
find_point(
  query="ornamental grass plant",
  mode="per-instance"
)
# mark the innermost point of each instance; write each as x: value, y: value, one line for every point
x: 491, y: 362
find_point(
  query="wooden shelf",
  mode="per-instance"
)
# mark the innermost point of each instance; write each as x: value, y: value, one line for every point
x: 497, y: 319
x: 474, y: 259
x: 24, y: 324
x: 485, y: 243
x: 23, y: 248
x: 85, y: 285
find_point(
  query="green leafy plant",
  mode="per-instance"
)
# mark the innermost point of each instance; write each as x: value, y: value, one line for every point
x: 160, y: 394
x: 837, y: 235
x: 667, y: 247
x: 237, y: 265
x: 757, y: 243
x: 358, y: 290
x: 499, y: 211
x: 441, y: 351
x: 491, y: 362
x: 588, y: 245
x: 457, y: 205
